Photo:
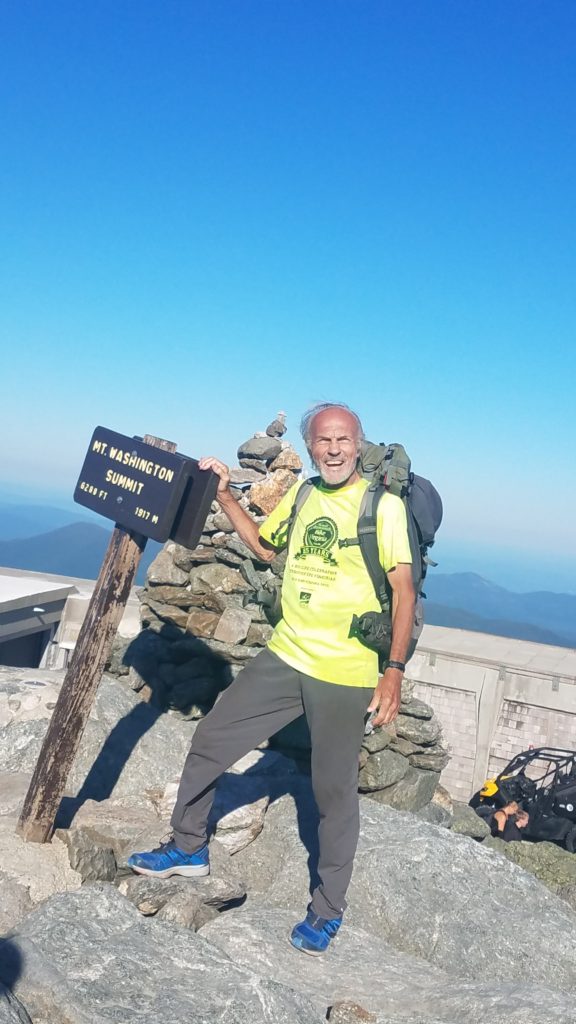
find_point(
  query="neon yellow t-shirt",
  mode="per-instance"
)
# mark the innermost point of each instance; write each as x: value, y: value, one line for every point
x: 324, y: 585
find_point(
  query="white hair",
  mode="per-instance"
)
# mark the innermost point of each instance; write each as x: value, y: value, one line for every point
x: 306, y: 421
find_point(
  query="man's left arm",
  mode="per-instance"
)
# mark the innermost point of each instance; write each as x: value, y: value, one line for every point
x: 386, y: 699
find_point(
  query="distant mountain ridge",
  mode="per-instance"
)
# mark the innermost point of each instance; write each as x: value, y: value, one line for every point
x: 459, y: 597
x: 458, y: 618
x: 73, y: 550
x: 459, y: 600
x: 19, y: 521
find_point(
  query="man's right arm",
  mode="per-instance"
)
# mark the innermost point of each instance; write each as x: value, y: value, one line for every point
x: 245, y: 527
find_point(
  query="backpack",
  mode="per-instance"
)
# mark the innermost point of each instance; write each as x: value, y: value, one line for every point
x: 388, y: 468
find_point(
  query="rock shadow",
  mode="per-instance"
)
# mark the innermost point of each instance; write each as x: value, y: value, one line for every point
x: 182, y: 671
x: 201, y: 674
x: 234, y: 791
x: 10, y: 964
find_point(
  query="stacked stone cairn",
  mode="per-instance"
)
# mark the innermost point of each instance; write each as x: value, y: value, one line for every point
x: 201, y: 624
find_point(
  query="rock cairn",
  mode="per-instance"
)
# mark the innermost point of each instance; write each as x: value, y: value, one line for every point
x: 201, y: 623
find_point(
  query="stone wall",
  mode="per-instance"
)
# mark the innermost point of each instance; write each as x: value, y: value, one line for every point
x: 201, y: 622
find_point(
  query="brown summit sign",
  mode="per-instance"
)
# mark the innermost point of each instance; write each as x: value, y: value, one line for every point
x: 159, y: 494
x: 149, y: 490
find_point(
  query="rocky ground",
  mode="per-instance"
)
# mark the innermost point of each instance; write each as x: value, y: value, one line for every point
x: 444, y: 924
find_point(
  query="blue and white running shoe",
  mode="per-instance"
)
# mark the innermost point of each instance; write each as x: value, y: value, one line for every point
x: 168, y: 859
x: 313, y: 936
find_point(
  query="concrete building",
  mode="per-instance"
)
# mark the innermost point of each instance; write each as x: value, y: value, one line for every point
x: 494, y: 697
x: 41, y: 615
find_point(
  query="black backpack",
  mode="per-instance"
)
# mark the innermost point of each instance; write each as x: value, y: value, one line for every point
x: 388, y: 468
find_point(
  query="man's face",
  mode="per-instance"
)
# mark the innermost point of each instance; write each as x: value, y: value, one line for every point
x: 334, y: 446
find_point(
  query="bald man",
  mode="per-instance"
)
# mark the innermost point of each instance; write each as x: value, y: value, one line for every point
x: 311, y: 665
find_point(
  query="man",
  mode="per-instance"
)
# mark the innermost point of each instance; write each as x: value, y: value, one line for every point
x: 311, y: 665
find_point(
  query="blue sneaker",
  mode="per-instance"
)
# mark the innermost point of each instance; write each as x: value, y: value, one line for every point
x: 168, y: 859
x: 313, y: 936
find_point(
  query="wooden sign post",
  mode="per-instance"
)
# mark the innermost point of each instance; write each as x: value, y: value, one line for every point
x: 162, y: 495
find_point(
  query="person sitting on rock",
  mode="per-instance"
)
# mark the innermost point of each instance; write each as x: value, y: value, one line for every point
x: 311, y: 665
x: 506, y: 823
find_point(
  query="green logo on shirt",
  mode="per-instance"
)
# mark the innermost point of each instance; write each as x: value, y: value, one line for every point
x: 319, y: 537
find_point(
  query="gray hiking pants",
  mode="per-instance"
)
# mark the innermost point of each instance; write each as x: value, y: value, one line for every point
x: 264, y: 697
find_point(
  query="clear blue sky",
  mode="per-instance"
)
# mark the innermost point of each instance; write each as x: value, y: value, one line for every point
x: 214, y: 209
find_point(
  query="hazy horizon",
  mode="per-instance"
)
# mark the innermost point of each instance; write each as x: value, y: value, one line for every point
x: 513, y: 571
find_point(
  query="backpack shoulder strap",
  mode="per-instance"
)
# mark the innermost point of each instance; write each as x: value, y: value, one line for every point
x: 283, y: 533
x: 367, y: 539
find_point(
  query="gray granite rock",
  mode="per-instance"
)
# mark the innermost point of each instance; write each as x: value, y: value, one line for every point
x: 30, y: 872
x: 368, y: 971
x: 163, y: 571
x: 231, y: 652
x: 224, y: 555
x: 253, y: 463
x: 278, y: 426
x: 382, y: 769
x: 260, y: 448
x: 168, y: 612
x: 434, y: 814
x: 552, y: 865
x: 185, y: 558
x: 15, y: 902
x: 204, y: 578
x: 233, y: 626
x: 13, y: 789
x: 259, y: 634
x: 91, y: 958
x: 466, y: 822
x: 115, y: 664
x: 414, y: 791
x: 179, y: 596
x: 238, y: 811
x: 92, y: 860
x: 438, y: 896
x: 378, y: 739
x: 419, y: 730
x: 434, y: 759
x: 415, y: 708
x: 117, y: 826
x: 244, y: 476
x: 221, y: 522
x: 127, y: 745
x: 405, y: 747
x: 191, y: 901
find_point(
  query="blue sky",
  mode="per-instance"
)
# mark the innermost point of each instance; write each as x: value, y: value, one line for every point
x: 210, y: 211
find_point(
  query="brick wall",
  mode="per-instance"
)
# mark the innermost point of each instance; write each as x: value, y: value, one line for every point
x: 456, y: 710
x: 522, y: 725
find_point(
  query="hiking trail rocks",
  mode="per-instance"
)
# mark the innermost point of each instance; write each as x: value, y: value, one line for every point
x: 445, y: 924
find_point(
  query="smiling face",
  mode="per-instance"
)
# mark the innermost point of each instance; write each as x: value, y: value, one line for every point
x: 334, y: 446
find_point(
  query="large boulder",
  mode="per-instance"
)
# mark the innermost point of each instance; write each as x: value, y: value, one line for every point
x: 260, y: 448
x: 90, y: 958
x: 366, y: 970
x: 128, y: 746
x: 552, y: 865
x: 438, y: 896
x: 31, y: 872
x: 413, y: 792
